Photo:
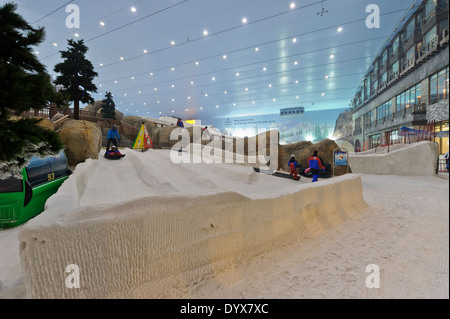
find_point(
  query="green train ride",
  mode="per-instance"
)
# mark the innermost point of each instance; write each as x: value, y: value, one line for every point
x: 24, y: 199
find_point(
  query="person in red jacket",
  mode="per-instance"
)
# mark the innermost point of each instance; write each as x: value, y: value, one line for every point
x: 293, y: 166
x: 315, y: 163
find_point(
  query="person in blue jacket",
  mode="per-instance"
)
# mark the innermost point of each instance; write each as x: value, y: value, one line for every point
x: 180, y: 123
x: 113, y: 137
x: 293, y: 166
x: 315, y: 163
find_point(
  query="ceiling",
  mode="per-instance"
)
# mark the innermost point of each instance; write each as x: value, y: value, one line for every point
x: 285, y: 54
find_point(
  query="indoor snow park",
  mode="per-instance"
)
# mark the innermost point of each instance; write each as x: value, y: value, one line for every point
x: 224, y: 150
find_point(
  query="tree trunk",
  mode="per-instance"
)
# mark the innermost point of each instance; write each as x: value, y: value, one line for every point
x: 76, y: 110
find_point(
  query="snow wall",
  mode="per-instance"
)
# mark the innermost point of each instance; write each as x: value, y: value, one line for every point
x: 151, y: 247
x: 418, y: 159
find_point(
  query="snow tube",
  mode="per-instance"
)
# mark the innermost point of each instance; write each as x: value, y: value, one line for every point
x: 306, y: 172
x: 113, y: 157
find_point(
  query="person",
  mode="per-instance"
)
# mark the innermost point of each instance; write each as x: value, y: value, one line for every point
x: 315, y: 164
x: 114, y: 152
x: 293, y: 166
x: 113, y: 137
x: 206, y: 134
x: 180, y: 123
x: 446, y: 157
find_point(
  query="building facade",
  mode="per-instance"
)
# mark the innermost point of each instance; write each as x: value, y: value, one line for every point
x: 407, y: 84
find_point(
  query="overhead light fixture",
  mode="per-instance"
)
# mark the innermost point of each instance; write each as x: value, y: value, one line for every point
x: 237, y: 74
x: 133, y: 9
x: 332, y: 56
x: 55, y: 44
x: 145, y: 51
x: 122, y: 58
x: 102, y: 23
x: 172, y: 42
x: 205, y: 32
x: 339, y: 29
x: 77, y: 35
x: 292, y: 5
x: 256, y: 49
x: 294, y: 40
x: 244, y: 20
x: 224, y: 56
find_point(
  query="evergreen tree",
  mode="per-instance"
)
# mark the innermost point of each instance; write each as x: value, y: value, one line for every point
x: 109, y: 107
x: 77, y: 74
x: 24, y: 84
x: 325, y: 132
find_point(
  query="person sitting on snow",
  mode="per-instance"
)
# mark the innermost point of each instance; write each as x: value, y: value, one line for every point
x: 180, y: 123
x: 293, y: 166
x: 315, y: 164
x: 114, y: 152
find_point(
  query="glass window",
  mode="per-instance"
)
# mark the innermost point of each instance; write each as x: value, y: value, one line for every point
x: 410, y: 29
x: 430, y: 6
x: 430, y: 36
x: 43, y: 170
x: 395, y: 68
x: 442, y: 92
x: 419, y: 94
x: 11, y: 185
x: 384, y: 77
x: 433, y: 89
x: 395, y: 45
x: 410, y: 54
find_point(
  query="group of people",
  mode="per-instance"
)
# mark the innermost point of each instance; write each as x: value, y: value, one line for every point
x: 315, y: 166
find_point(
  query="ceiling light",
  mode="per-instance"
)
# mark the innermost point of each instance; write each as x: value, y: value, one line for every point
x: 295, y: 63
x: 101, y: 64
x: 237, y: 74
x: 274, y: 100
x: 246, y: 89
x: 297, y: 97
x: 186, y: 110
x: 234, y: 104
x: 205, y: 32
x: 294, y: 40
x: 115, y: 82
x: 151, y: 73
x: 55, y: 44
x: 201, y: 107
x: 244, y: 20
x: 132, y: 77
x: 256, y: 49
x: 270, y: 85
x: 217, y: 106
x: 173, y: 100
x: 196, y: 63
x: 189, y: 97
x: 192, y: 82
x: 323, y: 94
x: 124, y: 94
x: 37, y: 52
x: 326, y: 76
x: 122, y: 58
x: 173, y: 69
x: 77, y: 35
x: 296, y: 81
x: 224, y: 56
x: 264, y: 69
x: 102, y: 23
x: 133, y: 9
x: 172, y: 42
x: 172, y: 85
x: 155, y: 89
x: 225, y: 92
x: 253, y: 102
x: 332, y: 56
x: 145, y: 51
x: 213, y: 78
x: 206, y: 94
x: 339, y: 29
x: 292, y: 5
x: 140, y: 92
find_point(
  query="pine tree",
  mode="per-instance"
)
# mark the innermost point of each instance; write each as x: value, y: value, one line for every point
x: 109, y: 107
x: 77, y: 74
x: 24, y: 84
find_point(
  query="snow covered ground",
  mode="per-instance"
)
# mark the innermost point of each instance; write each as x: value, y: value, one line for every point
x: 404, y: 231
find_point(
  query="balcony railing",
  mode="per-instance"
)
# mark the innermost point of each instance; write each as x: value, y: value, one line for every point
x: 408, y: 65
x: 427, y: 49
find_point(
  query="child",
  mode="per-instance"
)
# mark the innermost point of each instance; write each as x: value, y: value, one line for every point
x: 293, y: 166
x: 315, y: 163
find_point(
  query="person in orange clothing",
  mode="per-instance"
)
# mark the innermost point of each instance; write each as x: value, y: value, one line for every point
x: 293, y: 166
x: 315, y: 164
